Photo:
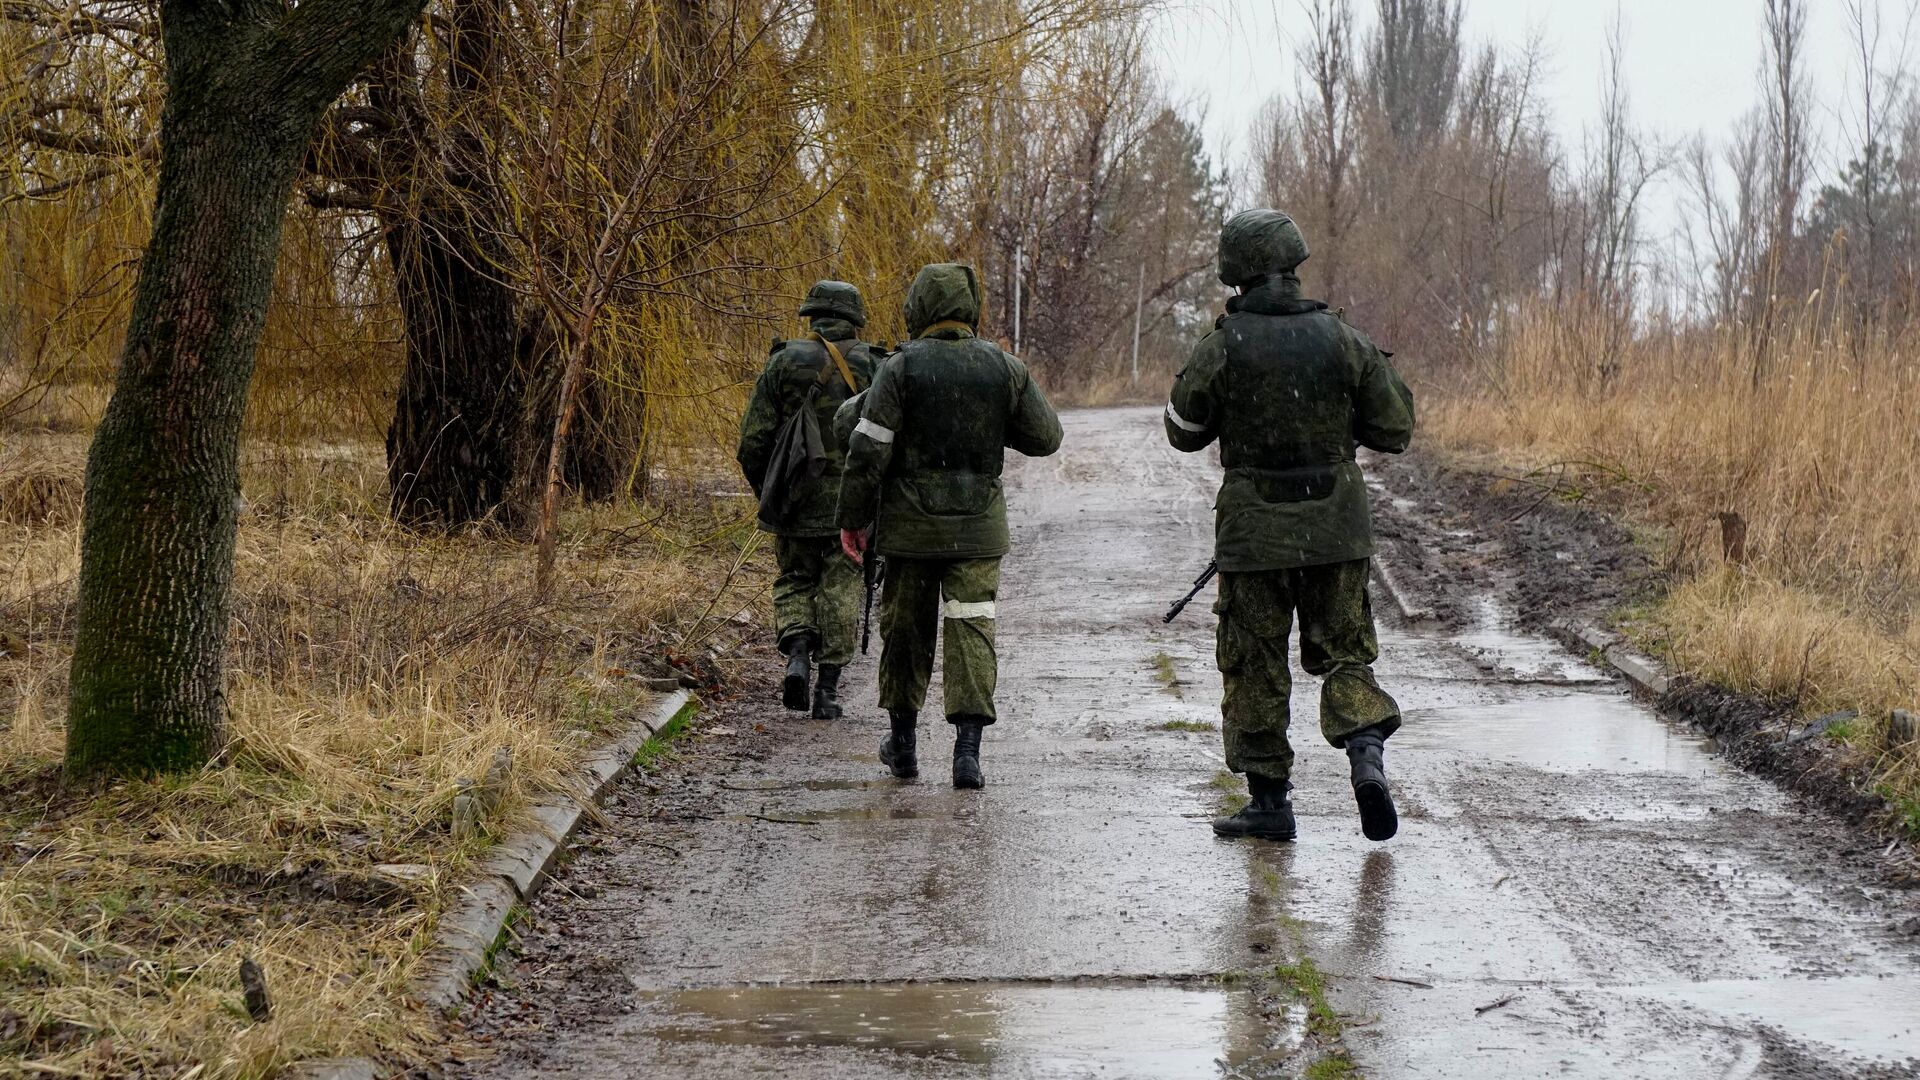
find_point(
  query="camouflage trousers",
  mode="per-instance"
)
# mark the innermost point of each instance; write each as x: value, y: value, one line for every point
x: 817, y: 593
x: 1337, y: 644
x: 953, y: 598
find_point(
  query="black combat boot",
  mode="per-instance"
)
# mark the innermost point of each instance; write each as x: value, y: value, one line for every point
x: 826, y: 693
x: 793, y: 690
x: 1365, y: 750
x: 1268, y: 814
x: 966, y: 756
x: 897, y: 752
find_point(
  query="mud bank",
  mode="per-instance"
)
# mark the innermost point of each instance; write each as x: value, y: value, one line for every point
x: 1460, y: 535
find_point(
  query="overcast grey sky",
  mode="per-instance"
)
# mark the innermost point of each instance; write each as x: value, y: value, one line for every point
x: 1691, y: 65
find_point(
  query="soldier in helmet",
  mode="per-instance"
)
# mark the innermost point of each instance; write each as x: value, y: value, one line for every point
x: 925, y: 458
x: 1289, y: 390
x: 789, y: 421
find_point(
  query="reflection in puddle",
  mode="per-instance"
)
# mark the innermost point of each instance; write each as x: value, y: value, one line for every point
x: 1036, y: 1030
x: 1492, y: 640
x: 1558, y: 733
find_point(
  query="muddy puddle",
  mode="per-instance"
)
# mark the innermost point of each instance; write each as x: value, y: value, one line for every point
x: 1490, y: 641
x: 1563, y: 733
x: 1024, y: 1030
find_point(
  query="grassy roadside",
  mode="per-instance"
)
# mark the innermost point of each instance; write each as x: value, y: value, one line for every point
x: 370, y: 671
x: 1776, y: 486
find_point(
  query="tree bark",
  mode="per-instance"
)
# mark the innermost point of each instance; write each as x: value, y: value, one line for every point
x: 606, y: 440
x: 456, y: 422
x: 246, y: 82
x: 456, y: 427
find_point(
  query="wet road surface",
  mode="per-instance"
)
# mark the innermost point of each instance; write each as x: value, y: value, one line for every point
x: 1578, y: 889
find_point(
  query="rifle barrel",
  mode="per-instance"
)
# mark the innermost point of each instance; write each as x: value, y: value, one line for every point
x: 1198, y: 584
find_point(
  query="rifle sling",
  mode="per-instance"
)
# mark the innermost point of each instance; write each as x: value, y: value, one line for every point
x: 839, y: 361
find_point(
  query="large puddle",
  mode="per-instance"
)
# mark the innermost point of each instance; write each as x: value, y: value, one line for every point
x: 1036, y: 1030
x: 1561, y: 733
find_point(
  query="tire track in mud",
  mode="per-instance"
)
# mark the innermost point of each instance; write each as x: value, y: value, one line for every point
x: 1578, y: 889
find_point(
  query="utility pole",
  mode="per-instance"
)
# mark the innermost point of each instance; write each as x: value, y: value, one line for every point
x: 1139, y: 301
x: 1019, y: 270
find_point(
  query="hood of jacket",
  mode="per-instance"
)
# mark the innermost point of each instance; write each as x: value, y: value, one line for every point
x: 942, y: 291
x: 1257, y: 244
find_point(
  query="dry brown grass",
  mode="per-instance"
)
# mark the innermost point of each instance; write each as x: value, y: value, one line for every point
x: 370, y: 669
x: 1814, y: 443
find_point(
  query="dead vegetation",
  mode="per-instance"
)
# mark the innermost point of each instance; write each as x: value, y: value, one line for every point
x: 370, y: 669
x: 1782, y: 503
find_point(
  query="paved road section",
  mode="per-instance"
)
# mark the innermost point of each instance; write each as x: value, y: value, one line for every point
x: 1578, y: 889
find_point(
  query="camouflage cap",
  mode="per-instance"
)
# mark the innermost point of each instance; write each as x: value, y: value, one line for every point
x: 1259, y: 243
x: 837, y: 299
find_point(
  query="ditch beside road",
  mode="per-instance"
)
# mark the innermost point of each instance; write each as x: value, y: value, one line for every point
x: 1578, y: 888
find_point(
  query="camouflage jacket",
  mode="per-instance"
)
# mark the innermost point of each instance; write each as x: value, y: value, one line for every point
x: 1290, y: 391
x: 932, y: 432
x: 793, y: 368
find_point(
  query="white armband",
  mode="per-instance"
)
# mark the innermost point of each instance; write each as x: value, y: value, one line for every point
x: 1182, y: 422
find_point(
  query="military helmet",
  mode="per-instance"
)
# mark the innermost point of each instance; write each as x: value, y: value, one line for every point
x: 1259, y: 243
x: 837, y: 299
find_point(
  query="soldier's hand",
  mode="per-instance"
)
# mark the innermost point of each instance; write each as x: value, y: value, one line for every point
x: 854, y: 543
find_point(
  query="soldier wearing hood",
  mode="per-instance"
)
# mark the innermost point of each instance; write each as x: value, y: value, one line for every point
x: 923, y: 481
x: 1290, y: 390
x: 816, y: 598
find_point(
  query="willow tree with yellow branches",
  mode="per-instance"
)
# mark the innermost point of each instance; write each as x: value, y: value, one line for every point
x: 550, y: 237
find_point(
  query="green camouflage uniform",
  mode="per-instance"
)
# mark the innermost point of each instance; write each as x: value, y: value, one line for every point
x: 818, y: 590
x: 928, y: 447
x: 1289, y: 390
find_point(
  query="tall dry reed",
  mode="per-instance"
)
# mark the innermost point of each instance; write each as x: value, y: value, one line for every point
x: 1804, y: 430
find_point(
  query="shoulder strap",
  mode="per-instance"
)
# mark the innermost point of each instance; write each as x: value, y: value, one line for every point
x: 839, y: 361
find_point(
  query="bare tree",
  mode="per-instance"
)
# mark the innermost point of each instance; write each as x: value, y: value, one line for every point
x: 1725, y: 230
x: 1862, y: 211
x: 1620, y: 167
x: 1787, y: 138
x: 1327, y: 56
x: 1414, y: 59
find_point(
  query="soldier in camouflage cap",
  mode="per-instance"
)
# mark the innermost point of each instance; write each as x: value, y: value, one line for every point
x: 926, y: 453
x: 817, y: 595
x: 1289, y: 390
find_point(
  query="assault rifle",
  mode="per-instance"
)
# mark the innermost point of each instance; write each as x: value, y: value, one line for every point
x: 1213, y: 567
x: 870, y: 574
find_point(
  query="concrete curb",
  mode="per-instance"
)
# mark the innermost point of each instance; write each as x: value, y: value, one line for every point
x: 1409, y: 610
x: 512, y: 873
x: 1645, y: 673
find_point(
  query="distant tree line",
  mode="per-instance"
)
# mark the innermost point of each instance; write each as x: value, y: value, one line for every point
x: 1442, y: 203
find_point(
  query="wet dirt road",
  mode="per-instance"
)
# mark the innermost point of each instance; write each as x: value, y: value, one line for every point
x: 1577, y: 890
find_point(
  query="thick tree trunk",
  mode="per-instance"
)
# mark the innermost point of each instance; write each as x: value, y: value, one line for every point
x: 246, y: 82
x: 456, y: 423
x: 605, y: 443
